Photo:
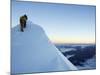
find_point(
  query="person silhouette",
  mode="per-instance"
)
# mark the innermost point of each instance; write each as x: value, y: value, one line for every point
x: 23, y: 20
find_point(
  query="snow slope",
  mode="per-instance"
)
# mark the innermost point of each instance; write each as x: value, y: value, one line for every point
x: 31, y: 51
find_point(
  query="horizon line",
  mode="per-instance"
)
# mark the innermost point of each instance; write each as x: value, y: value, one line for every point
x: 73, y: 43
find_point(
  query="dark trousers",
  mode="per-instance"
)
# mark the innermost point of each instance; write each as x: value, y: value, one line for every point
x: 22, y: 25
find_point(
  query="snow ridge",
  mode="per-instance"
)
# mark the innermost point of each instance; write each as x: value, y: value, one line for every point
x: 31, y: 51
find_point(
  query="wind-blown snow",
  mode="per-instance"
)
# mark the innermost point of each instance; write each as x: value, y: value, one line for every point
x: 31, y: 51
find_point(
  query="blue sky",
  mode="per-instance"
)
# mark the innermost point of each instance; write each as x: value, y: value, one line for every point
x: 63, y: 23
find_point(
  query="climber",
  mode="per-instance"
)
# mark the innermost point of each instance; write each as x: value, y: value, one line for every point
x: 23, y: 20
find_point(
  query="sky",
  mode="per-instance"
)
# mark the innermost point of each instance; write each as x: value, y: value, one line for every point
x: 63, y: 23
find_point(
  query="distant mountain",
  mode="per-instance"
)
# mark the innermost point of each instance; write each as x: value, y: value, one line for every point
x: 83, y: 56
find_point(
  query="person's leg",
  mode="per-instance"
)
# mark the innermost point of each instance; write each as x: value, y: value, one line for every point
x: 21, y: 28
x: 22, y: 25
x: 25, y: 24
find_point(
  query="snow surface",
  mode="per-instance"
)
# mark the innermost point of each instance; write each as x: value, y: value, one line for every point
x: 31, y: 51
x: 67, y: 49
